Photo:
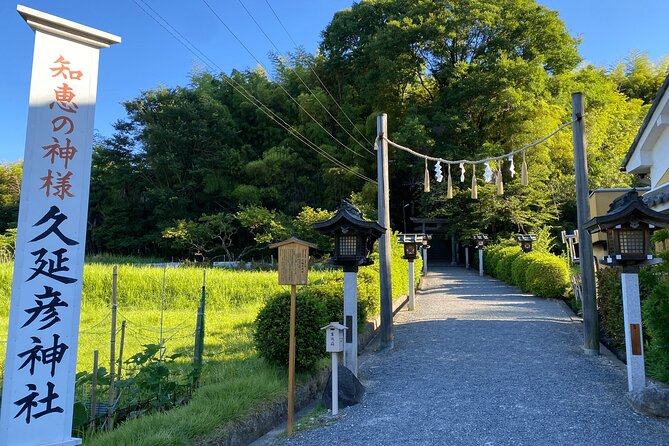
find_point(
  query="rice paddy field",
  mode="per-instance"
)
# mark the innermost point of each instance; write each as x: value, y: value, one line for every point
x: 161, y: 303
x: 234, y: 379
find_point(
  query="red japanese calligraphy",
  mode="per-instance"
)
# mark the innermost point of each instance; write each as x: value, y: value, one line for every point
x: 65, y: 71
x: 65, y: 153
x: 60, y: 122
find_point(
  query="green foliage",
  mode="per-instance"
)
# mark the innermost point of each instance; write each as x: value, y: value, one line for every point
x: 10, y: 183
x: 302, y: 227
x: 206, y: 236
x: 503, y: 268
x: 540, y: 273
x: 547, y: 276
x: 519, y: 268
x: 7, y: 245
x: 638, y: 77
x: 272, y: 333
x: 265, y: 225
x: 491, y: 256
x: 656, y: 318
x: 610, y: 303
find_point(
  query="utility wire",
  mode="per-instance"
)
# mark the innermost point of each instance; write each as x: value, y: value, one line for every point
x: 246, y: 48
x: 316, y: 74
x: 243, y: 91
x: 269, y: 39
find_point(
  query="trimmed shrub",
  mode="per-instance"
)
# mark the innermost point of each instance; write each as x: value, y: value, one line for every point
x: 547, y: 276
x: 519, y: 268
x: 272, y: 334
x: 656, y: 318
x: 490, y: 259
x: 503, y: 268
x: 610, y: 301
x: 331, y: 294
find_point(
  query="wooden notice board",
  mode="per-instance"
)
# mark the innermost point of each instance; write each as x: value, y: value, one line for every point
x: 293, y: 264
x: 293, y: 261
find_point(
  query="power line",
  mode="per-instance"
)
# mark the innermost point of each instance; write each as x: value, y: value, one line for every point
x: 246, y: 48
x: 186, y: 43
x: 316, y: 74
x: 302, y: 80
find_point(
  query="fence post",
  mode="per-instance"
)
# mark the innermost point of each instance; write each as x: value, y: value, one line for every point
x: 94, y: 389
x: 120, y: 351
x: 199, y: 334
x: 112, y: 352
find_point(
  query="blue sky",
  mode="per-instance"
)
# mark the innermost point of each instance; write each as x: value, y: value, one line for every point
x: 149, y: 57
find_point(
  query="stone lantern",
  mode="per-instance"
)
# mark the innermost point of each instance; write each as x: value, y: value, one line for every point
x: 629, y: 225
x: 480, y: 240
x: 526, y: 241
x: 411, y: 242
x: 354, y: 240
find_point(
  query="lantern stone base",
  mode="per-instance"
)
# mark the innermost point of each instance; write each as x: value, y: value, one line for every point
x: 350, y: 392
x: 651, y: 400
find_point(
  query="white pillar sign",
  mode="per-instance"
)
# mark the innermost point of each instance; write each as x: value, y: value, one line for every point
x: 636, y: 369
x: 351, y: 321
x: 40, y: 366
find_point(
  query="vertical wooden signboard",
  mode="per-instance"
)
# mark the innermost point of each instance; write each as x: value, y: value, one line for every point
x: 293, y: 270
x: 40, y: 366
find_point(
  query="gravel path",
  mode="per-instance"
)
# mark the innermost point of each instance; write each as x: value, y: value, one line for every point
x: 480, y: 363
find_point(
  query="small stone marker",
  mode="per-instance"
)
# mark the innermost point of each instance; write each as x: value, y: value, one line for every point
x: 334, y: 343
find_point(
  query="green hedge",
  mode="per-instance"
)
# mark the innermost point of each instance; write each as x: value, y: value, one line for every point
x: 656, y: 318
x: 506, y: 257
x: 539, y: 273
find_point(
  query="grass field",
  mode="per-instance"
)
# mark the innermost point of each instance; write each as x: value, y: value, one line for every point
x: 235, y: 381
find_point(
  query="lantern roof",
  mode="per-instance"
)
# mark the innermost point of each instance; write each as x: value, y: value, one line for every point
x: 335, y: 325
x: 349, y: 218
x: 293, y: 240
x: 480, y: 237
x: 526, y: 237
x: 627, y: 208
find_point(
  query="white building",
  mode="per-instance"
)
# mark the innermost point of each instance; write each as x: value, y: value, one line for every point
x: 649, y: 153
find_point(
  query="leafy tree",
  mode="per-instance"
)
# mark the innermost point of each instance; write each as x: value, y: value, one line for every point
x: 207, y: 236
x: 266, y: 226
x: 10, y: 190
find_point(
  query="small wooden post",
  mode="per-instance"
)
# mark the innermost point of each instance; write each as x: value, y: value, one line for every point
x: 120, y: 351
x: 112, y: 352
x: 291, y: 360
x: 94, y: 389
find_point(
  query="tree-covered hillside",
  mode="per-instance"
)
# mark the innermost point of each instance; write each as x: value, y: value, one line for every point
x: 206, y: 168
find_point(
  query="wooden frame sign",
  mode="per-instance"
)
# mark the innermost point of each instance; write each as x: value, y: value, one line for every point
x: 293, y: 261
x: 293, y: 270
